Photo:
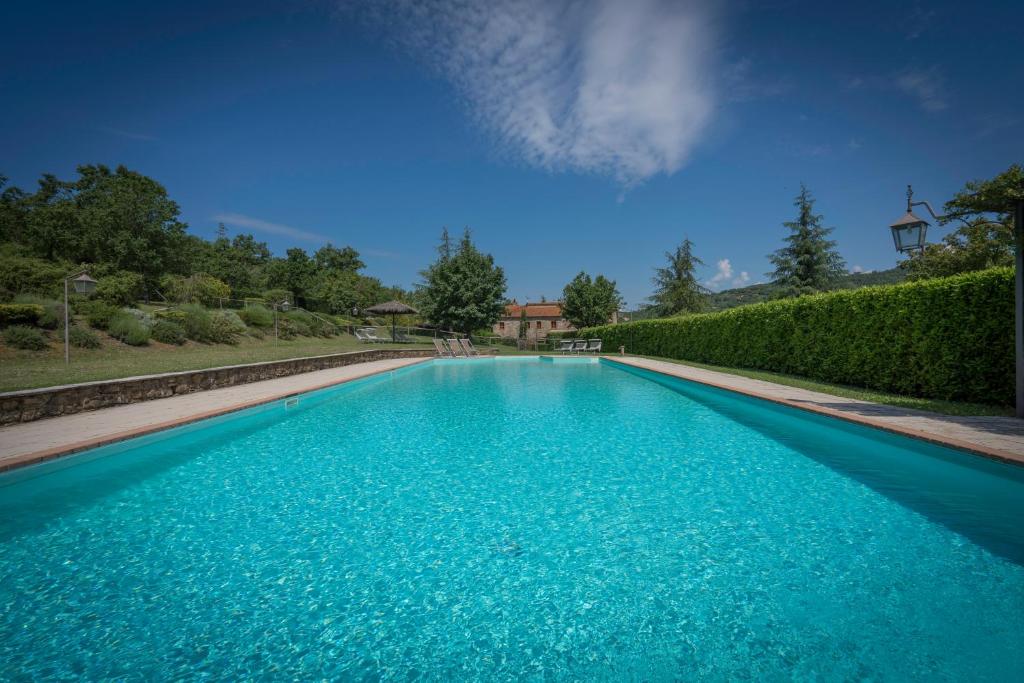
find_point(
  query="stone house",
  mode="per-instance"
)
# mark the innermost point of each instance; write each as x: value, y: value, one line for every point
x: 541, y: 319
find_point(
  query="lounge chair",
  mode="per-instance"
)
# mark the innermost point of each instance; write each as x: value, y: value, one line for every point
x: 456, y: 348
x: 579, y: 345
x: 371, y: 334
x: 468, y: 347
x: 565, y: 345
x: 441, y: 349
x: 593, y: 346
x: 361, y: 336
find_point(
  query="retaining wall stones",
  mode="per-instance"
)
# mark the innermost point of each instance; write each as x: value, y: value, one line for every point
x: 34, y: 404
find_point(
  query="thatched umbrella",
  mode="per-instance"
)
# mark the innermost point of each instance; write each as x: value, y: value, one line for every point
x: 392, y: 308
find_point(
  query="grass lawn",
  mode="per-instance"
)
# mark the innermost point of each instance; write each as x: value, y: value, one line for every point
x: 929, y: 404
x: 32, y: 369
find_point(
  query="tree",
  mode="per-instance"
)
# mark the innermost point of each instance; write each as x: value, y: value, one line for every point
x: 978, y: 243
x: 329, y: 258
x: 463, y: 290
x: 586, y: 302
x: 119, y: 217
x: 809, y: 262
x: 678, y: 290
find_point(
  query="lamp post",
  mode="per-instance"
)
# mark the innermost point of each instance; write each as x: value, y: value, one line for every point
x: 908, y: 233
x: 83, y: 285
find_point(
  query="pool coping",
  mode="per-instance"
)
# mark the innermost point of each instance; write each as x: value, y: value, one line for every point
x: 37, y: 457
x: 680, y: 372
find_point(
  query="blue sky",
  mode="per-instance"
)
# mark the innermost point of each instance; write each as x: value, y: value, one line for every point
x: 568, y: 136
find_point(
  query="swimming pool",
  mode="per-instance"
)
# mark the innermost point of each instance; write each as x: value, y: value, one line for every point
x: 514, y: 519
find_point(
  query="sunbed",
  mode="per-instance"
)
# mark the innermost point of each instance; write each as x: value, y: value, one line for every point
x: 441, y: 349
x: 456, y: 348
x: 579, y: 345
x: 594, y: 346
x: 468, y: 347
x: 565, y: 345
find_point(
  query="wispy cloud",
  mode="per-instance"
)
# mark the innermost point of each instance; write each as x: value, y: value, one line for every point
x: 724, y: 277
x: 743, y: 85
x: 607, y: 87
x: 237, y: 220
x: 128, y: 134
x: 924, y: 85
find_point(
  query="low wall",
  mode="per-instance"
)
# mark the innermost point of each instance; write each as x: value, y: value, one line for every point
x: 34, y: 404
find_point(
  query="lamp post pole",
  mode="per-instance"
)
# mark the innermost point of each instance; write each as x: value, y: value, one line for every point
x: 67, y: 331
x: 1018, y: 232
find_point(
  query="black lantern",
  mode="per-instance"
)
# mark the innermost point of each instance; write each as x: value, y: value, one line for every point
x: 909, y: 232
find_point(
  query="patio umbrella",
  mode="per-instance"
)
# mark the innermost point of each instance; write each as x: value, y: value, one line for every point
x: 392, y: 308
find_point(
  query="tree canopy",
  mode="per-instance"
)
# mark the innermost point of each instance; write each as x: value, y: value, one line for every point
x: 123, y: 226
x: 809, y: 262
x: 983, y: 240
x: 678, y: 290
x: 463, y: 290
x: 588, y: 302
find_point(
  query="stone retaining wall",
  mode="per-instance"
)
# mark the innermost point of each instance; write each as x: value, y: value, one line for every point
x: 34, y: 404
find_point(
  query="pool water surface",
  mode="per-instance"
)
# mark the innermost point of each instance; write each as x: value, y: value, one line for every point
x: 508, y: 519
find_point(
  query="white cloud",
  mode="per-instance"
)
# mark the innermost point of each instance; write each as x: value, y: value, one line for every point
x: 724, y: 276
x: 609, y: 87
x: 857, y: 269
x: 923, y: 85
x: 238, y: 220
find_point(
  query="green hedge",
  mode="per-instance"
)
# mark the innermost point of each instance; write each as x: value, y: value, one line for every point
x: 948, y: 338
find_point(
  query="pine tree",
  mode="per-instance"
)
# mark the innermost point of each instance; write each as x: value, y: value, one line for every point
x: 678, y: 290
x: 809, y: 262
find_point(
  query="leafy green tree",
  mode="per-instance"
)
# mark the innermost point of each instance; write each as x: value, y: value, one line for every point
x: 809, y: 262
x: 982, y: 241
x: 678, y: 290
x: 463, y: 290
x: 589, y: 302
x: 118, y: 217
x: 329, y: 258
x: 295, y: 272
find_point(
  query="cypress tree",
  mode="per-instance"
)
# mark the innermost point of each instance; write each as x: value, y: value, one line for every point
x: 809, y: 262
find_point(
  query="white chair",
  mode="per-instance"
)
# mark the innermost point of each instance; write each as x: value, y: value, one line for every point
x: 468, y: 347
x: 565, y: 346
x: 579, y: 345
x: 456, y: 348
x: 441, y: 349
x: 594, y: 346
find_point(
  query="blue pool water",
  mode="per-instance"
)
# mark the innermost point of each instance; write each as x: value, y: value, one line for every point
x: 514, y: 519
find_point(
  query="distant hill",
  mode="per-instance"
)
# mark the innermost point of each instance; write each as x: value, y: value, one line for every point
x: 741, y: 296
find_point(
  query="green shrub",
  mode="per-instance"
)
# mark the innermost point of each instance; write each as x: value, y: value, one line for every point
x: 99, y: 313
x: 198, y: 288
x: 257, y: 316
x: 227, y: 327
x: 120, y: 289
x: 948, y: 338
x: 172, y: 314
x: 83, y: 339
x: 20, y: 314
x: 53, y: 310
x: 308, y: 325
x: 126, y: 327
x: 20, y: 274
x: 25, y: 338
x: 197, y: 322
x: 168, y: 332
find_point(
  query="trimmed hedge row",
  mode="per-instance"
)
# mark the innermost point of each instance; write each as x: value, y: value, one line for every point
x: 948, y: 338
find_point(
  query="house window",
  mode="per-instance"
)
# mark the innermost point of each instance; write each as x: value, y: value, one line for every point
x: 540, y: 324
x: 554, y: 324
x: 501, y: 326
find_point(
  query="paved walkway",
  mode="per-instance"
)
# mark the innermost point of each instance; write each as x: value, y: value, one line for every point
x: 1001, y: 438
x: 23, y: 444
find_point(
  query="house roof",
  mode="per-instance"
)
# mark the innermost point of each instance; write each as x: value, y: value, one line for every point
x: 542, y: 310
